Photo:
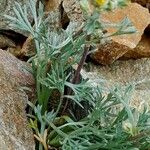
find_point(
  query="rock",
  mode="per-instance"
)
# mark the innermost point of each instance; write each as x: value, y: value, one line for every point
x: 123, y: 73
x: 9, y: 34
x: 118, y: 45
x: 142, y: 49
x: 108, y: 52
x: 52, y: 5
x: 15, y: 133
x: 6, y: 42
x: 12, y: 42
x: 144, y: 3
x: 28, y: 48
x: 52, y: 8
x: 6, y: 8
x: 72, y: 14
x: 73, y: 10
x: 117, y: 15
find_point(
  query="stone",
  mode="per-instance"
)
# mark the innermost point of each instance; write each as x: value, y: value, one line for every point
x: 110, y: 51
x: 73, y: 10
x: 8, y: 33
x: 6, y: 42
x: 52, y: 5
x: 144, y: 3
x: 52, y: 10
x: 28, y: 48
x: 142, y: 49
x: 15, y: 133
x: 122, y: 74
x: 12, y: 42
x: 6, y: 8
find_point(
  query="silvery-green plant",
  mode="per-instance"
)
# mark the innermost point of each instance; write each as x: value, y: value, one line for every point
x: 56, y: 52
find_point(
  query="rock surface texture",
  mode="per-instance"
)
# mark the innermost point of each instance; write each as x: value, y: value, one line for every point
x: 142, y: 49
x: 144, y: 3
x: 14, y: 131
x: 73, y: 10
x: 117, y: 46
x: 124, y: 73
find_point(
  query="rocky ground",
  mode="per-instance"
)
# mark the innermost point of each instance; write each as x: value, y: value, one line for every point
x: 122, y: 60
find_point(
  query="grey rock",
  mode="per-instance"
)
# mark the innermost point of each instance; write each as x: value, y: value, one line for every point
x: 6, y: 8
x: 73, y: 10
x: 14, y: 131
x: 123, y: 74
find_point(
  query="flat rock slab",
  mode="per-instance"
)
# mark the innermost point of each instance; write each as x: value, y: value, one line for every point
x: 123, y: 73
x: 14, y: 131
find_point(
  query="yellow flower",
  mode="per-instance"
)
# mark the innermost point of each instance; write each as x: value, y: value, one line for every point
x: 100, y: 2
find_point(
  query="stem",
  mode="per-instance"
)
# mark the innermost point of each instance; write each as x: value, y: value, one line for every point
x: 78, y: 33
x: 59, y: 106
x: 140, y: 135
x: 76, y: 78
x: 42, y: 133
x: 82, y: 61
x: 40, y: 146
